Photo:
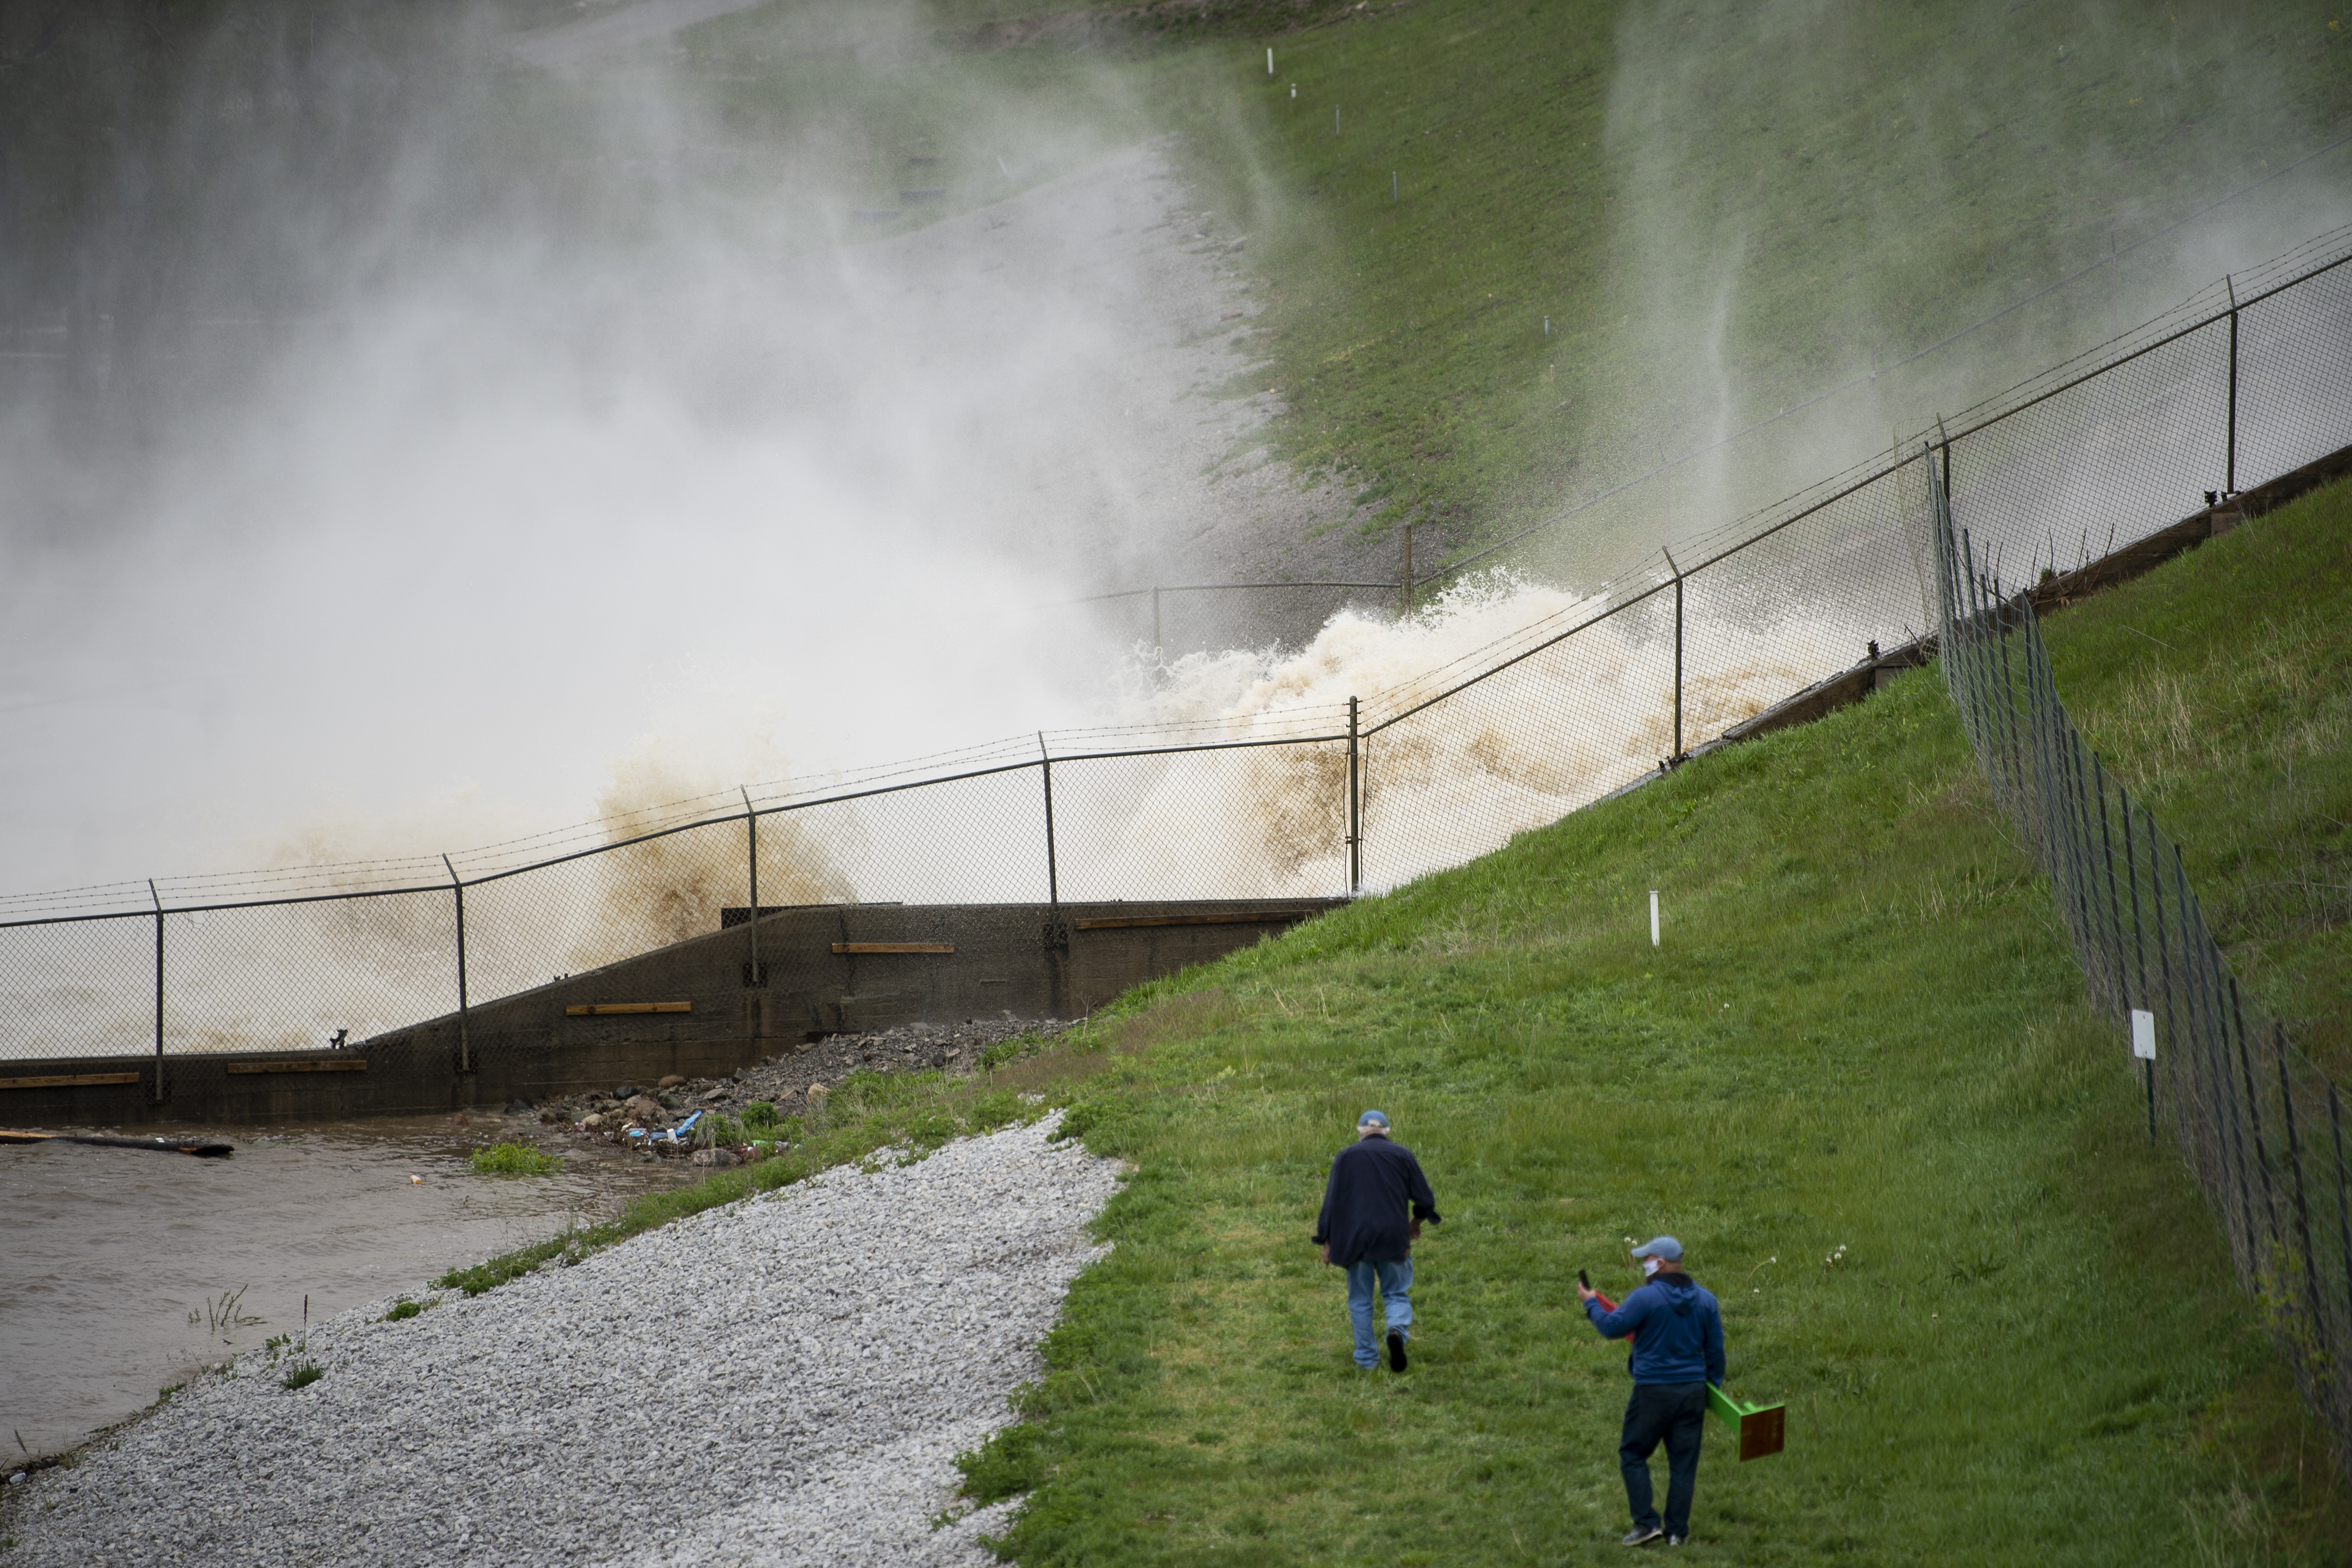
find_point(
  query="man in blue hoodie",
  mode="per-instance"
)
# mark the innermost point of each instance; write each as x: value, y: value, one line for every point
x: 1372, y: 1210
x: 1677, y: 1332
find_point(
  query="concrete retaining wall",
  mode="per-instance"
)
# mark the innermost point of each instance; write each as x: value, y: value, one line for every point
x: 826, y: 970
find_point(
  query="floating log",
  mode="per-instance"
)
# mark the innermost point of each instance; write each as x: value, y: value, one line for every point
x: 202, y: 1150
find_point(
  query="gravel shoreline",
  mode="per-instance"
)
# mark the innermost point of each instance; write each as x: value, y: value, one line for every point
x: 786, y: 1380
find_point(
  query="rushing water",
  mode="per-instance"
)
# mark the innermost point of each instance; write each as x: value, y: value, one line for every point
x: 117, y: 1260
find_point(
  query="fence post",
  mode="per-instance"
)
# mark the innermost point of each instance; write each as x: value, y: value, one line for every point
x: 1678, y: 653
x: 2012, y: 747
x: 1053, y: 876
x: 2343, y: 1198
x: 2164, y: 966
x: 2070, y: 803
x: 158, y: 1092
x: 2295, y: 1157
x: 2230, y: 476
x: 465, y: 1043
x: 1355, y: 810
x: 2107, y: 860
x: 2254, y: 1113
x: 753, y: 977
x: 2233, y: 1144
x: 2139, y: 940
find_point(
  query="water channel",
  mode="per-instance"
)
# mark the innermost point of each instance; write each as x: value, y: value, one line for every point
x: 126, y: 1270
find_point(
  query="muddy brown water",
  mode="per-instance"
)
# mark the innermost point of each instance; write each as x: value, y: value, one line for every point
x: 119, y: 1260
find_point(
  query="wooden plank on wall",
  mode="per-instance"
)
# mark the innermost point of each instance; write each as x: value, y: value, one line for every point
x: 1128, y: 922
x: 321, y: 1064
x: 893, y: 947
x: 614, y: 1009
x: 70, y: 1080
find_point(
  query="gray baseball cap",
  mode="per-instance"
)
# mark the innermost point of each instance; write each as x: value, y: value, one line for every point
x: 1664, y: 1247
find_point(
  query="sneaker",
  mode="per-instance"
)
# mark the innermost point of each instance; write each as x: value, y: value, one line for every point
x: 1640, y: 1535
x: 1677, y: 1540
x: 1396, y: 1350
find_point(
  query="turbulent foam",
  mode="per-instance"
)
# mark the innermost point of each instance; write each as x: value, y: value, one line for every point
x: 1521, y: 748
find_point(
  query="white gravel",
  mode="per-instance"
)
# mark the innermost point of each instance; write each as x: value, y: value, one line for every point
x: 786, y: 1380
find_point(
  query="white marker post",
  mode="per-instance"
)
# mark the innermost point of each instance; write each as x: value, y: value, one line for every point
x: 2143, y: 1026
x: 1269, y: 62
x: 1653, y: 917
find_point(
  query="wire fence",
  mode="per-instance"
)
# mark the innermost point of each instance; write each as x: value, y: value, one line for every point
x: 1405, y: 740
x: 2261, y: 1128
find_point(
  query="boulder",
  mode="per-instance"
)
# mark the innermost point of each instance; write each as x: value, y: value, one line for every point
x: 646, y: 1109
x: 592, y: 1122
x: 626, y: 1091
x: 719, y: 1157
x: 713, y: 1096
x: 670, y: 1080
x: 815, y: 1097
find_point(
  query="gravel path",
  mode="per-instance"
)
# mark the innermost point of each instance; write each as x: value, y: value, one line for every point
x: 784, y: 1380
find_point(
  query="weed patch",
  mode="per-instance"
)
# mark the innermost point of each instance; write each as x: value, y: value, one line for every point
x: 513, y: 1160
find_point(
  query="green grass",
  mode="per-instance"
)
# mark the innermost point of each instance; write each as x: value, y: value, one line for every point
x: 304, y: 1375
x: 513, y: 1160
x: 1864, y: 1030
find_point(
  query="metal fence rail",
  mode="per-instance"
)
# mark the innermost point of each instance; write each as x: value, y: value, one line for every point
x: 2261, y: 1128
x: 1520, y: 706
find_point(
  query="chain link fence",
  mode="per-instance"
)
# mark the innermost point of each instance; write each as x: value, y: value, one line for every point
x: 2261, y: 1128
x: 1402, y: 741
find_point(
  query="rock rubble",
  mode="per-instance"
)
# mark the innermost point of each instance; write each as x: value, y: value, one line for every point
x: 785, y: 1080
x: 786, y: 1380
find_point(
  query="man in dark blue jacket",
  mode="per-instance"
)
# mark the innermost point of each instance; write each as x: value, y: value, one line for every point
x: 1368, y: 1229
x: 1677, y: 1332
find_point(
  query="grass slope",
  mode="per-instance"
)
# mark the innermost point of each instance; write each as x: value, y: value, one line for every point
x: 1863, y: 1030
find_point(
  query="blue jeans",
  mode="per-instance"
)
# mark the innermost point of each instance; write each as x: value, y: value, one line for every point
x: 1676, y: 1411
x: 1395, y: 1280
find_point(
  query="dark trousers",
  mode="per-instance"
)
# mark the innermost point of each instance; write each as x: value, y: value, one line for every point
x: 1676, y: 1413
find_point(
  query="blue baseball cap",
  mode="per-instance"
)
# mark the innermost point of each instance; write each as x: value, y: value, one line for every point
x: 1378, y: 1118
x: 1664, y: 1247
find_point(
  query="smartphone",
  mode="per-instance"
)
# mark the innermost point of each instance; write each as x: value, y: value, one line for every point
x: 1584, y: 1280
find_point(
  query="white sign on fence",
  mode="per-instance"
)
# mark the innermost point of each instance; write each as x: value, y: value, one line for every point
x: 2143, y: 1035
x: 1653, y: 917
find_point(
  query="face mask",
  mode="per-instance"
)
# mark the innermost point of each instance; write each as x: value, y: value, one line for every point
x: 1649, y: 1266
